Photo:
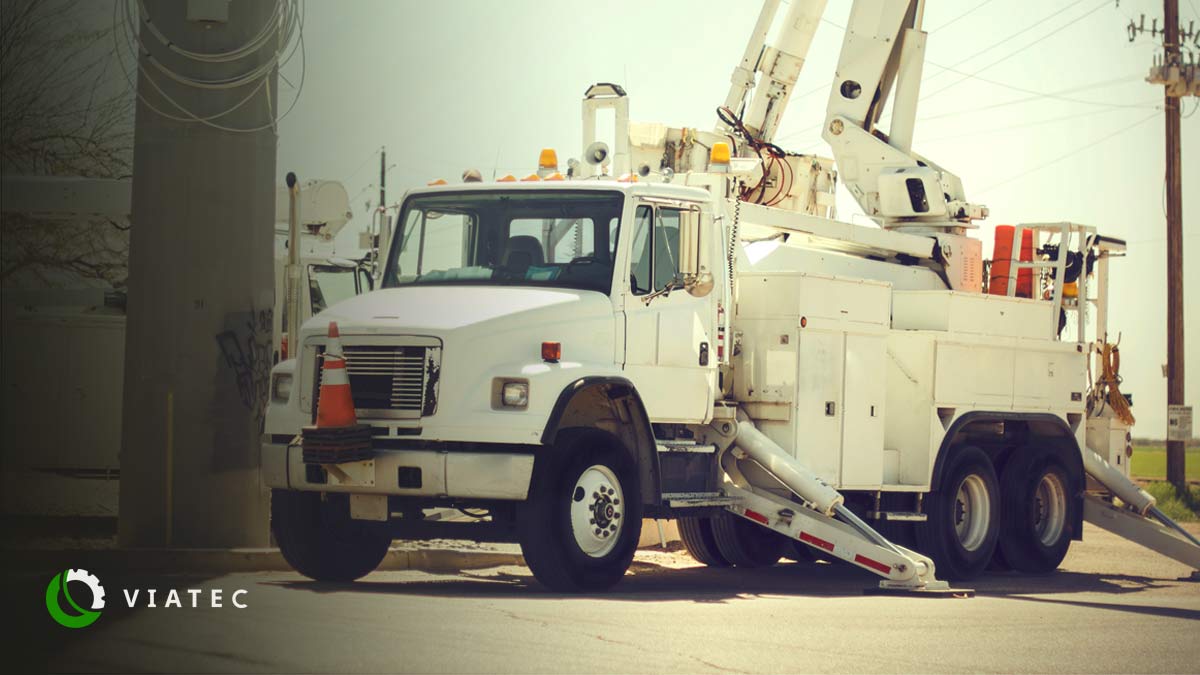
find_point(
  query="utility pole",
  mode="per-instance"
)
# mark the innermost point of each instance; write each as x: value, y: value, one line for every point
x: 201, y: 286
x: 1176, y: 453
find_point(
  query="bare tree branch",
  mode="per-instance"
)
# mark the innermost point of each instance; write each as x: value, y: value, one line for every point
x: 65, y: 111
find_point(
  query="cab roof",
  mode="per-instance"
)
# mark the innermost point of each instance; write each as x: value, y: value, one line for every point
x: 657, y: 189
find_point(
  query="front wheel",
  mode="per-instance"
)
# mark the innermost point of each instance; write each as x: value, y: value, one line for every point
x: 962, y: 516
x: 318, y: 538
x: 580, y: 525
x: 1039, y: 512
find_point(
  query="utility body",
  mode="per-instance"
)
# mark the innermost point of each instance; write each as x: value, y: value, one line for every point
x: 679, y: 327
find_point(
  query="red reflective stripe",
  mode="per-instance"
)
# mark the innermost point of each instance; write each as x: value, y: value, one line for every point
x: 873, y: 564
x: 757, y: 517
x: 334, y: 362
x: 819, y: 543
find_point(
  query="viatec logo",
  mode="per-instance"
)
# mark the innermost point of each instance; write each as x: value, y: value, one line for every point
x: 60, y: 590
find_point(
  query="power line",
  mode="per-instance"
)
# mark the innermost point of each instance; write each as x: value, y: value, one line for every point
x: 1018, y: 51
x: 1062, y: 118
x: 1087, y: 146
x: 933, y: 30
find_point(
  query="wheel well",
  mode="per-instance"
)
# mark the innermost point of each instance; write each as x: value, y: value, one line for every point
x: 1000, y: 433
x: 612, y: 405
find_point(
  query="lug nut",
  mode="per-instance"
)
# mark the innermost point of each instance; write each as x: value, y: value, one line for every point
x: 598, y: 531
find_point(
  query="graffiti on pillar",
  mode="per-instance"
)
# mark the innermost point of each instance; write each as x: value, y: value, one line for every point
x: 246, y: 348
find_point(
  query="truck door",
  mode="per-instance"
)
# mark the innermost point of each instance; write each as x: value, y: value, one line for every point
x: 670, y: 354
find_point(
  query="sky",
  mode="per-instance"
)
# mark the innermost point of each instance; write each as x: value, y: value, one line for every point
x: 1055, y: 121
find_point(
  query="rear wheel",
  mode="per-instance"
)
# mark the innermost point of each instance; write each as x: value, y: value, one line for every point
x: 318, y: 538
x: 963, y: 516
x: 745, y: 544
x: 698, y: 539
x: 1039, y: 511
x: 579, y: 528
x: 803, y: 553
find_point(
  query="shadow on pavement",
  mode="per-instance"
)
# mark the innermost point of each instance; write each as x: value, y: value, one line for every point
x: 650, y: 582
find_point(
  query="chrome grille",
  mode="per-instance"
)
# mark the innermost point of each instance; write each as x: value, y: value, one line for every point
x: 389, y: 381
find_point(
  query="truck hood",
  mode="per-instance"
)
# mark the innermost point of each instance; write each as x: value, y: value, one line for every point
x: 443, y: 309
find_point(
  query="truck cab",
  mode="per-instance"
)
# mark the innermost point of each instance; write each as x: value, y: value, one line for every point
x: 513, y: 319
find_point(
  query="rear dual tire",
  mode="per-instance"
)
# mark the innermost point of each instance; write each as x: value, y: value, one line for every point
x: 962, y: 516
x: 1040, y: 512
x: 725, y: 540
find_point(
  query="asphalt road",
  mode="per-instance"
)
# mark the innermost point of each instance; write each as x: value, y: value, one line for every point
x: 1113, y: 607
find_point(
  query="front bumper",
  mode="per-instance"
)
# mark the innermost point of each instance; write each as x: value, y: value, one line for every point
x: 418, y: 473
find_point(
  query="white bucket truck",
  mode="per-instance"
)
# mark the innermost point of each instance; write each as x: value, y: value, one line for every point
x: 700, y: 339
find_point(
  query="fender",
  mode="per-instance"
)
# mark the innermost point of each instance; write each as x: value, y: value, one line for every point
x: 626, y: 407
x: 1051, y: 427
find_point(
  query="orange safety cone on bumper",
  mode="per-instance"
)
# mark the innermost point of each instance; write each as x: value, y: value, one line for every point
x: 337, y: 437
x: 335, y: 405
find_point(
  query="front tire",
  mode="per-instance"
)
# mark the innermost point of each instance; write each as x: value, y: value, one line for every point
x: 580, y: 525
x: 318, y: 538
x: 963, y: 516
x: 1039, y: 511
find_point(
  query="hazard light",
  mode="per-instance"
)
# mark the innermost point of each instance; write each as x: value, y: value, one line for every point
x: 548, y: 159
x: 551, y: 351
x: 718, y: 157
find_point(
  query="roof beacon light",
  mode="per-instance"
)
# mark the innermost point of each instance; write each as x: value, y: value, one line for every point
x: 547, y: 162
x: 718, y: 158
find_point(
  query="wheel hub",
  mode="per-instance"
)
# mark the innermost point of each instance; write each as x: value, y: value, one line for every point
x: 1049, y: 509
x: 597, y: 510
x: 972, y: 511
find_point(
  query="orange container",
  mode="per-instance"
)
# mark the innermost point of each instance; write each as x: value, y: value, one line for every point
x: 1002, y: 262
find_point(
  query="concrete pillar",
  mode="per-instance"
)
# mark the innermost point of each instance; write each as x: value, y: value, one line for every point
x: 201, y: 285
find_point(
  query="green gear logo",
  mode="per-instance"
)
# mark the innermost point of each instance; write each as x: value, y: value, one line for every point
x: 59, y: 585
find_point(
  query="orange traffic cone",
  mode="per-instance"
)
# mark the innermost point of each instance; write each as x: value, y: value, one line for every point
x: 335, y: 405
x: 337, y: 436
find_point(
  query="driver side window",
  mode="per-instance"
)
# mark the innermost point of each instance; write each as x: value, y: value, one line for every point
x: 655, y: 253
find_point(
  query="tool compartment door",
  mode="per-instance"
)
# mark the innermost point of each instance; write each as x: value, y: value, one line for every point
x: 819, y: 402
x: 862, y: 418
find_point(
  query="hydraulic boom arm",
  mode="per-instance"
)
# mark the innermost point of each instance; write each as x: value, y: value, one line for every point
x: 882, y: 56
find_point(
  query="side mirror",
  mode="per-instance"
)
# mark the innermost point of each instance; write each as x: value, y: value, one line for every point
x: 697, y: 280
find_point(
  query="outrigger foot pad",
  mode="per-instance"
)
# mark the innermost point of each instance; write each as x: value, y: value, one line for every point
x: 960, y: 593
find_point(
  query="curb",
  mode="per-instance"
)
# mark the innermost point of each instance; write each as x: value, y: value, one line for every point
x: 238, y: 560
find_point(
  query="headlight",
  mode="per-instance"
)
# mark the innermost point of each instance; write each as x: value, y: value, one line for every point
x: 281, y: 387
x: 514, y: 395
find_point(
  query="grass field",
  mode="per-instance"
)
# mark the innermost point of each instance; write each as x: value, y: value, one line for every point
x: 1150, y: 462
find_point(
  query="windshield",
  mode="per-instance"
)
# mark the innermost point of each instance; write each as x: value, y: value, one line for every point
x: 556, y: 238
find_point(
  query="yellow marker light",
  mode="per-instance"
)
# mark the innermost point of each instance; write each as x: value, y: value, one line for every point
x: 440, y: 181
x: 548, y: 159
x: 719, y: 153
x: 507, y: 179
x: 531, y: 177
x: 628, y: 178
x: 554, y: 176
